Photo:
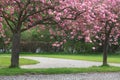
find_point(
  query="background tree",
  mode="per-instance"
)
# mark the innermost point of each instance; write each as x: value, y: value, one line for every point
x: 5, y: 38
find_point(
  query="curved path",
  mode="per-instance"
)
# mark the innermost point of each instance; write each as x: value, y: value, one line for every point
x: 62, y: 63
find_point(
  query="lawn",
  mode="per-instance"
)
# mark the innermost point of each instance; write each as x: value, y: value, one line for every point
x: 18, y: 71
x: 5, y: 61
x: 98, y: 58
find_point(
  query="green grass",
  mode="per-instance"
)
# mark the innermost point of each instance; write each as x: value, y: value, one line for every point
x: 5, y: 61
x: 98, y: 58
x: 18, y: 71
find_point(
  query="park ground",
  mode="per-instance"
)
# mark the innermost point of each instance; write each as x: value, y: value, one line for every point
x: 4, y: 70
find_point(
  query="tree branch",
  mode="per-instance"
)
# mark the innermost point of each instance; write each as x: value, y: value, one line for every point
x: 8, y: 23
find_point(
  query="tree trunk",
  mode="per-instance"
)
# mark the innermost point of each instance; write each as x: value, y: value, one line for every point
x: 15, y: 50
x: 105, y: 52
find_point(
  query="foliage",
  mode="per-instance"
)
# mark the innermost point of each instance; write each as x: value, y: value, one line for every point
x: 73, y: 46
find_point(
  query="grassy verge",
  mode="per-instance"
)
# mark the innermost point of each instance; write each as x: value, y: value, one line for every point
x: 5, y: 61
x: 18, y: 71
x: 98, y: 58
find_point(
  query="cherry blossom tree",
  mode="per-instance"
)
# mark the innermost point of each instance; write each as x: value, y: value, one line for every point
x: 101, y: 21
x: 106, y: 29
x: 21, y: 15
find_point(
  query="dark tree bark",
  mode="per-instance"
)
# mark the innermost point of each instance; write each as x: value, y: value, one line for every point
x: 106, y: 43
x: 15, y: 50
x: 105, y: 52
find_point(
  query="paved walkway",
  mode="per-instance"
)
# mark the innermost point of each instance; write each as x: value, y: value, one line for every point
x: 62, y: 63
x: 81, y: 76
